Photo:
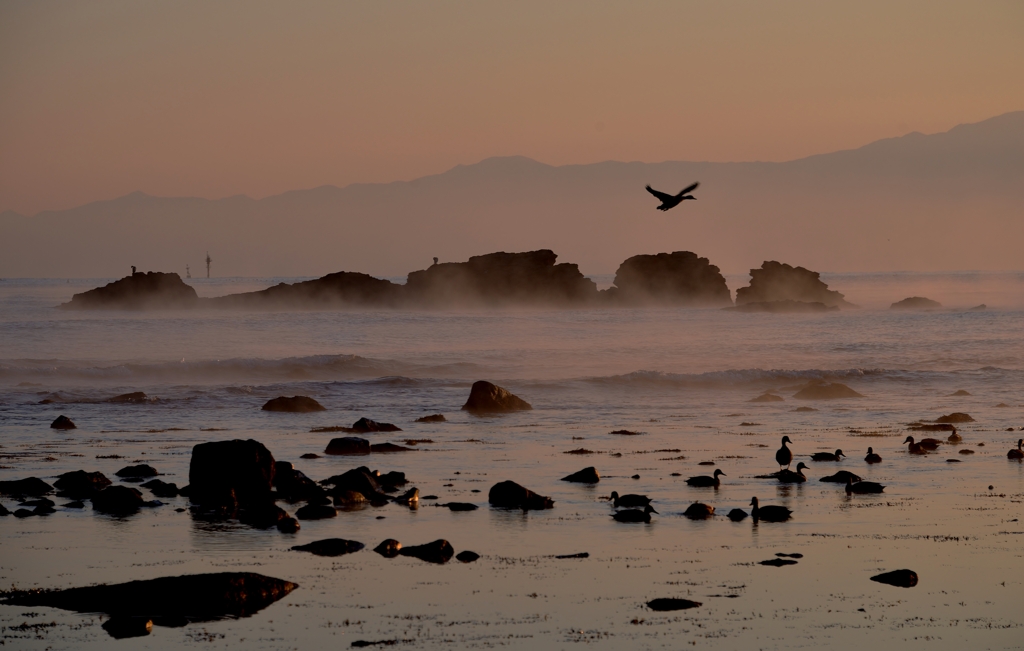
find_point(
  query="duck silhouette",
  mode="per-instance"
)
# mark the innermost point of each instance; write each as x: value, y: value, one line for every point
x: 699, y: 511
x: 784, y: 455
x: 634, y: 515
x: 915, y: 448
x: 872, y: 457
x: 791, y: 476
x: 630, y: 500
x: 1017, y: 452
x: 669, y: 201
x: 827, y: 456
x: 862, y: 487
x: 770, y: 513
x: 704, y: 481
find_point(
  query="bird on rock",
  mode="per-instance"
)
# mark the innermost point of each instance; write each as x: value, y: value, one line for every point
x: 669, y: 201
x: 705, y: 481
x: 634, y: 515
x: 784, y: 455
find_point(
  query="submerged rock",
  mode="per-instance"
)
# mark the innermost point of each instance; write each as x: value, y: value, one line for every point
x: 485, y: 397
x: 149, y: 290
x: 188, y: 598
x: 776, y: 281
x: 294, y: 405
x: 32, y: 486
x: 366, y: 425
x: 955, y: 417
x: 80, y: 484
x: 135, y: 398
x: 439, y: 551
x: 389, y: 447
x: 898, y: 578
x: 467, y: 556
x: 585, y: 476
x: 330, y: 547
x: 509, y: 494
x: 63, y: 422
x: 767, y: 397
x: 916, y: 303
x: 826, y: 391
x: 231, y: 473
x: 459, y: 506
x: 666, y: 604
x: 678, y: 278
x: 433, y: 418
x: 118, y: 500
x: 161, y: 488
x: 348, y: 445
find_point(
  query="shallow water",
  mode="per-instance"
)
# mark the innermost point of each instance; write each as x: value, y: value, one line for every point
x: 682, y: 377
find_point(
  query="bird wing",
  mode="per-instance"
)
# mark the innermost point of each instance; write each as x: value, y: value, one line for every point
x: 688, y: 190
x: 660, y: 195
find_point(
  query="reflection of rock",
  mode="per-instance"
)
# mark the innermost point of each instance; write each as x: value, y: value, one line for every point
x: 171, y: 601
x: 898, y: 578
x: 485, y: 397
x: 511, y: 495
x: 767, y: 397
x: 32, y: 486
x: 825, y: 391
x: 585, y: 476
x: 117, y: 500
x: 330, y: 547
x: 679, y: 278
x: 348, y: 445
x: 784, y: 307
x: 955, y: 417
x: 439, y: 551
x: 916, y: 303
x: 295, y: 405
x: 776, y: 281
x: 239, y: 471
x: 80, y: 484
x: 139, y: 290
x: 63, y: 422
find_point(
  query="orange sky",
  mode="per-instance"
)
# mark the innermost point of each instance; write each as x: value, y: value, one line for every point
x: 214, y: 99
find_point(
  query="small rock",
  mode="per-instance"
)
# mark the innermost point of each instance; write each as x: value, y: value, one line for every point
x: 635, y: 477
x: 310, y: 455
x: 898, y: 578
x: 467, y: 556
x: 389, y: 447
x: 262, y: 516
x: 348, y: 445
x: 80, y: 484
x: 916, y: 303
x: 161, y: 488
x: 509, y: 494
x: 778, y: 562
x: 485, y: 398
x: 585, y: 476
x: 135, y: 398
x: 122, y: 627
x: 665, y: 604
x: 768, y: 397
x: 295, y: 405
x: 367, y: 425
x: 434, y: 418
x: 141, y: 470
x: 460, y: 506
x: 63, y: 422
x: 77, y: 504
x: 330, y: 547
x: 24, y: 513
x: 439, y: 551
x: 737, y: 514
x: 699, y: 511
x: 955, y: 417
x: 117, y: 500
x: 316, y: 512
x: 288, y: 525
x: 389, y: 548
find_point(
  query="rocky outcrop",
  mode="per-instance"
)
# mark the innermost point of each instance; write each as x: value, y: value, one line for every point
x: 231, y: 474
x: 776, y: 281
x: 80, y: 484
x: 825, y: 391
x: 366, y: 425
x: 118, y: 500
x: 143, y: 470
x: 293, y: 405
x: 679, y: 278
x: 340, y: 289
x: 955, y: 417
x: 585, y: 476
x: 501, y: 279
x: 439, y: 551
x: 509, y: 494
x: 348, y: 445
x: 916, y: 303
x: 433, y: 418
x: 140, y: 290
x: 31, y: 487
x: 485, y: 398
x: 63, y: 422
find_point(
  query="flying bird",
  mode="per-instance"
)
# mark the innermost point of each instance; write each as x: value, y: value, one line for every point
x: 671, y: 201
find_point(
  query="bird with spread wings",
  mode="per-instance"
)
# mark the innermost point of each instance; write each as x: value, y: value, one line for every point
x: 671, y: 201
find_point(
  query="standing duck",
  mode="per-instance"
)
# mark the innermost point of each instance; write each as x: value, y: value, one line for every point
x: 630, y: 500
x: 704, y: 481
x: 872, y: 457
x: 792, y: 477
x: 1018, y: 452
x: 634, y: 515
x: 915, y: 448
x: 784, y: 455
x: 770, y: 513
x: 862, y: 487
x: 827, y: 456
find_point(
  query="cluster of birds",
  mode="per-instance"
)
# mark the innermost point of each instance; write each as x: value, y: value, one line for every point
x: 637, y: 508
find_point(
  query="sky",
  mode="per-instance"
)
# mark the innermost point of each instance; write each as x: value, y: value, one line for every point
x: 101, y: 99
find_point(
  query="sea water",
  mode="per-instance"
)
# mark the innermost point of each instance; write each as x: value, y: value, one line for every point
x: 682, y: 378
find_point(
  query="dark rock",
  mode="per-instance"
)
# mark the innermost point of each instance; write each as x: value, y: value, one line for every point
x: 626, y: 432
x: 141, y: 470
x: 805, y: 409
x: 288, y: 525
x: 316, y: 512
x: 665, y: 604
x: 389, y: 447
x: 63, y: 422
x: 42, y: 501
x: 121, y: 628
x: 366, y: 425
x: 4, y: 511
x: 389, y: 548
x: 509, y: 494
x: 348, y: 445
x: 955, y: 417
x: 140, y: 290
x: 959, y: 393
x: 825, y: 391
x: 310, y: 455
x: 393, y: 478
x: 221, y: 468
x: 80, y: 484
x: 916, y: 303
x: 467, y: 556
x: 32, y: 486
x: 579, y: 555
x: 339, y: 289
x: 294, y: 405
x: 262, y: 516
x: 783, y: 307
x: 117, y: 500
x: 460, y: 506
x: 501, y: 279
x: 434, y: 418
x: 585, y: 476
x: 330, y: 547
x: 24, y: 513
x: 161, y: 488
x: 778, y: 562
x: 193, y: 597
x: 898, y: 578
x: 134, y: 398
x: 737, y: 514
x: 410, y: 497
x: 294, y: 486
x: 78, y: 504
x: 485, y: 398
x: 776, y: 281
x: 767, y: 397
x: 359, y: 480
x: 678, y: 278
x: 439, y: 551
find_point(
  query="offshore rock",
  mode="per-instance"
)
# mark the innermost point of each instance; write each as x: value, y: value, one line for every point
x: 224, y: 471
x: 348, y: 445
x: 359, y: 480
x: 585, y: 476
x: 508, y: 494
x: 330, y: 547
x: 767, y: 397
x: 294, y: 405
x: 80, y: 484
x: 955, y: 417
x: 678, y: 278
x: 161, y: 488
x: 294, y: 486
x: 485, y: 398
x: 63, y: 422
x: 916, y: 303
x: 140, y: 290
x: 134, y: 398
x: 340, y: 289
x: 433, y: 418
x: 367, y: 425
x: 776, y: 281
x: 141, y: 470
x: 117, y: 500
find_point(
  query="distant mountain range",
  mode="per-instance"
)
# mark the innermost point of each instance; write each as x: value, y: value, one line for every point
x: 946, y: 201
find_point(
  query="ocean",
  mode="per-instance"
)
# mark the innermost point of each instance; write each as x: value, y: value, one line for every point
x: 682, y: 378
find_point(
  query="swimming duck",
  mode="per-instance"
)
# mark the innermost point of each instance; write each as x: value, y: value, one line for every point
x: 770, y: 513
x: 915, y: 448
x: 634, y: 515
x: 1018, y: 452
x: 841, y: 477
x: 827, y: 456
x: 955, y: 437
x: 792, y: 477
x: 872, y: 457
x: 784, y: 455
x: 630, y: 500
x: 863, y: 487
x: 930, y: 444
x: 704, y: 481
x: 699, y: 511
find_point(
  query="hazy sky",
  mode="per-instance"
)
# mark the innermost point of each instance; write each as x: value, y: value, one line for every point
x: 100, y: 99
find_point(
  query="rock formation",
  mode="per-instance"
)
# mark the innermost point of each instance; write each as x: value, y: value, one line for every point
x: 295, y: 405
x: 80, y: 484
x: 63, y: 422
x: 916, y: 303
x: 137, y: 291
x: 485, y: 398
x: 679, y: 278
x: 776, y: 281
x: 585, y: 476
x: 118, y: 500
x: 509, y: 494
x: 333, y: 290
x: 825, y: 391
x: 231, y: 473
